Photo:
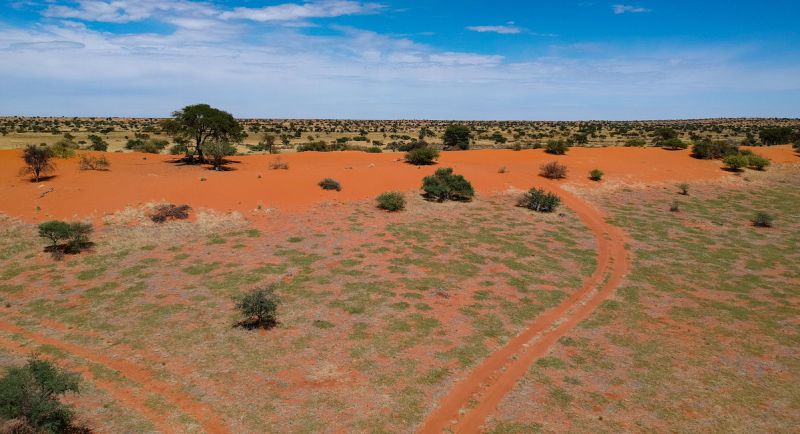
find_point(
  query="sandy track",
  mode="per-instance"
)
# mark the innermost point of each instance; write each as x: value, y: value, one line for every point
x: 493, y: 378
x: 207, y: 418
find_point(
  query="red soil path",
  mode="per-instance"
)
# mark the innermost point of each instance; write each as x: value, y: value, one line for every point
x: 493, y: 378
x: 141, y: 178
x: 208, y: 419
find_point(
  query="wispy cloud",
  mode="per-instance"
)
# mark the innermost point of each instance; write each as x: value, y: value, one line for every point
x: 507, y: 29
x: 294, y: 11
x: 625, y: 9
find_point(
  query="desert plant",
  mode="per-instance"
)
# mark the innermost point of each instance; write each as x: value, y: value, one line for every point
x: 596, y: 174
x: 260, y: 307
x: 200, y: 123
x: 683, y: 188
x: 674, y: 144
x: 91, y: 162
x: 32, y: 392
x: 279, y: 164
x: 217, y: 151
x: 762, y: 220
x: 757, y: 162
x: 556, y: 147
x: 675, y: 206
x: 456, y: 137
x: 635, y: 142
x: 553, y: 170
x: 537, y: 199
x: 330, y: 184
x: 709, y: 150
x: 64, y: 148
x: 391, y: 201
x: 98, y: 144
x: 75, y: 234
x: 170, y: 211
x: 422, y: 156
x: 444, y: 185
x: 37, y: 161
x: 373, y: 150
x: 735, y: 162
x: 55, y: 231
x: 502, y: 169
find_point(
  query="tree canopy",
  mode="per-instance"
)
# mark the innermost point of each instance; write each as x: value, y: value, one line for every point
x: 199, y: 123
x: 456, y: 137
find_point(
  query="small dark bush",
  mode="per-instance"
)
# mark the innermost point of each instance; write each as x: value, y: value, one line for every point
x: 373, y: 150
x: 635, y: 142
x: 444, y: 185
x: 712, y: 150
x: 330, y: 184
x: 30, y: 395
x: 539, y: 200
x: 260, y: 307
x: 37, y: 161
x: 416, y: 144
x: 391, y: 201
x: 91, y: 162
x: 170, y: 211
x: 278, y: 164
x: 683, y: 188
x: 553, y: 170
x: 556, y: 147
x: 596, y: 175
x: 674, y: 144
x: 422, y: 156
x: 762, y: 220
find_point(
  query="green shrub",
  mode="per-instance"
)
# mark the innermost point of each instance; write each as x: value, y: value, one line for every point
x: 75, y: 234
x: 391, y: 201
x: 553, y: 170
x: 217, y: 151
x: 711, y: 150
x: 537, y: 199
x: 98, y: 144
x: 422, y: 156
x: 635, y: 142
x: 674, y: 144
x: 735, y: 162
x: 32, y: 394
x: 373, y: 150
x: 444, y: 185
x: 762, y: 220
x: 556, y: 147
x: 596, y: 174
x: 260, y: 307
x: 456, y: 137
x: 64, y: 148
x: 757, y: 162
x: 330, y: 184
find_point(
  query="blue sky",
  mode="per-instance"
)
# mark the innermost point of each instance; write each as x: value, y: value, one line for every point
x: 447, y: 59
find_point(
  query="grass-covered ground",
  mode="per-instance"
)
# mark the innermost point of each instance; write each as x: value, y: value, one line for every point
x: 378, y: 311
x: 704, y: 335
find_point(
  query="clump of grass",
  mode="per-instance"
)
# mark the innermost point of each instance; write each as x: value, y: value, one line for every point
x: 170, y: 211
x: 279, y: 164
x: 675, y: 206
x: 502, y: 169
x: 596, y: 174
x: 330, y: 184
x: 553, y: 170
x: 683, y: 188
x: 91, y: 162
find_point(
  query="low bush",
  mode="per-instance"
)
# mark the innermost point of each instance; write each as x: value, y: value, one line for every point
x: 537, y: 199
x: 373, y: 150
x: 683, y: 188
x: 757, y: 162
x: 64, y: 148
x: 675, y: 206
x: 38, y: 161
x: 91, y: 162
x: 170, y: 211
x: 278, y: 164
x: 260, y: 308
x: 674, y: 144
x: 146, y: 145
x: 635, y: 142
x: 445, y: 185
x: 713, y: 150
x: 392, y: 201
x: 30, y: 396
x: 762, y: 220
x: 74, y: 236
x: 596, y: 175
x: 422, y: 156
x: 553, y: 170
x: 556, y: 147
x: 735, y: 162
x: 330, y: 184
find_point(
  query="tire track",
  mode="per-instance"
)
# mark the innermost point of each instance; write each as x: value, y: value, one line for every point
x: 206, y: 417
x: 496, y: 375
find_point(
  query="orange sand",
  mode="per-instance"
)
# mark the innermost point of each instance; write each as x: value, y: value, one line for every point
x: 141, y: 178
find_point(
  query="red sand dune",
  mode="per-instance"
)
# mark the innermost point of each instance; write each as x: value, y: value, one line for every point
x: 140, y: 178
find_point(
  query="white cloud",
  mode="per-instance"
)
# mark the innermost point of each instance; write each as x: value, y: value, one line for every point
x: 294, y: 11
x: 125, y: 11
x: 503, y: 30
x: 624, y: 9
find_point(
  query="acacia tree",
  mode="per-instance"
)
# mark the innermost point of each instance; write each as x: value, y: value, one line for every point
x: 37, y: 161
x: 456, y: 137
x: 199, y: 123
